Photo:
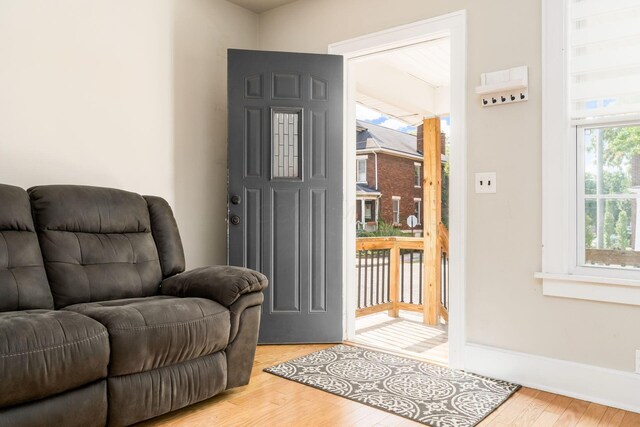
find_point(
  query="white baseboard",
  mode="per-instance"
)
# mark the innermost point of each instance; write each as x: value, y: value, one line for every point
x: 609, y: 387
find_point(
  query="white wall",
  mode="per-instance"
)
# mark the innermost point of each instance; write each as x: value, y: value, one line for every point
x: 203, y: 30
x: 86, y: 94
x: 505, y: 305
x: 123, y: 93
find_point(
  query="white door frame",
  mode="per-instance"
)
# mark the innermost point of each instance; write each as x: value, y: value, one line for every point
x: 454, y: 26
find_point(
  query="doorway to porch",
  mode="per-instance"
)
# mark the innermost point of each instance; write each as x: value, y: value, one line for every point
x: 398, y: 293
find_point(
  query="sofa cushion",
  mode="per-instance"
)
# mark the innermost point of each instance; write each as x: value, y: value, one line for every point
x: 46, y: 352
x: 23, y: 281
x: 148, y: 333
x: 166, y: 235
x: 96, y: 243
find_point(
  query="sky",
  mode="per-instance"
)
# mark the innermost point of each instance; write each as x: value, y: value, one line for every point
x: 372, y: 116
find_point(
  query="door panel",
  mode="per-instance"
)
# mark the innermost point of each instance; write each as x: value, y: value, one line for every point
x: 285, y: 162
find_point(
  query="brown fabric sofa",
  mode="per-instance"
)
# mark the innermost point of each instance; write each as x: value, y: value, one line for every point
x: 99, y: 323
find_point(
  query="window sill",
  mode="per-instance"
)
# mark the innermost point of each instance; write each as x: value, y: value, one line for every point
x: 591, y: 288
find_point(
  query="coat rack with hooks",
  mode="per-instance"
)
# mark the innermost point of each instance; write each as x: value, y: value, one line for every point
x: 504, y: 87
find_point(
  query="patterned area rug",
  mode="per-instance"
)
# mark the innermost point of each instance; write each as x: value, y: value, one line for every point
x: 429, y: 394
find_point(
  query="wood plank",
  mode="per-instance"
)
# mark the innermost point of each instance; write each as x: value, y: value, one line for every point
x: 592, y: 416
x: 572, y: 414
x: 612, y: 418
x: 410, y: 307
x: 374, y: 309
x: 520, y: 401
x: 432, y: 189
x: 630, y: 419
x: 539, y: 403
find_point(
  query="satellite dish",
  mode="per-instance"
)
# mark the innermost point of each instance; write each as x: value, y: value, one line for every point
x: 412, y: 221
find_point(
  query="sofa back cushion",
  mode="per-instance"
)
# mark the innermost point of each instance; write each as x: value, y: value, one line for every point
x: 96, y: 243
x: 23, y: 281
x: 166, y: 235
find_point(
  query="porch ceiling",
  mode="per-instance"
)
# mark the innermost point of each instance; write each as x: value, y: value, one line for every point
x: 408, y: 83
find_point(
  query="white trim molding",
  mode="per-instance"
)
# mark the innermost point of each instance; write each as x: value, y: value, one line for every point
x: 609, y: 387
x: 613, y: 290
x: 454, y: 26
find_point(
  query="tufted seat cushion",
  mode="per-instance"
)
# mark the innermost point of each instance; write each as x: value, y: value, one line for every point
x: 97, y: 243
x: 46, y: 352
x: 23, y: 282
x: 149, y: 333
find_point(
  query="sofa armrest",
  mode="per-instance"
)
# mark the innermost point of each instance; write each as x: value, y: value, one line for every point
x: 221, y: 283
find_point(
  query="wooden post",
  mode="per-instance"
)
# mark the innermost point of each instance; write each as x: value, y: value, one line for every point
x: 394, y: 279
x: 432, y: 188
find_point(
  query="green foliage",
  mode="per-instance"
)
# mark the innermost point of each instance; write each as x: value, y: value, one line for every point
x: 384, y: 230
x: 589, y: 234
x: 609, y: 226
x: 615, y: 182
x: 621, y: 231
x: 623, y: 144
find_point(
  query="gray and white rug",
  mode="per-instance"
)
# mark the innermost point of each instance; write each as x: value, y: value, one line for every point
x: 426, y: 393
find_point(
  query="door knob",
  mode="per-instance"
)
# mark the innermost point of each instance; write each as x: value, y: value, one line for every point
x: 235, y: 219
x: 235, y: 199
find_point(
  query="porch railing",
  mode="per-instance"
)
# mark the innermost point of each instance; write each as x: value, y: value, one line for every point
x: 391, y: 272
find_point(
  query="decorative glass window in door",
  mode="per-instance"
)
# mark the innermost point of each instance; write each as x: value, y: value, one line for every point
x: 286, y: 143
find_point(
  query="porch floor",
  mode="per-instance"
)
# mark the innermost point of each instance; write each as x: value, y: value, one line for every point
x: 404, y: 334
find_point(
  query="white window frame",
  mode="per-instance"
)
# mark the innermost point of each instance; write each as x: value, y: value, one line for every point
x: 364, y: 160
x: 395, y: 199
x: 561, y: 274
x: 418, y: 200
x: 418, y: 176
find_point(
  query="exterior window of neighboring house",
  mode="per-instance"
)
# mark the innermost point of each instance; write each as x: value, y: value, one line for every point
x: 417, y: 210
x: 396, y: 209
x: 417, y: 167
x: 592, y: 158
x: 368, y: 210
x: 362, y: 170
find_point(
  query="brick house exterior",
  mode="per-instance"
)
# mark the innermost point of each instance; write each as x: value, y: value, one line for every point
x: 395, y: 155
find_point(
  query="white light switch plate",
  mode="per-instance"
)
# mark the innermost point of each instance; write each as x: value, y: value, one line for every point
x: 637, y: 361
x: 485, y: 182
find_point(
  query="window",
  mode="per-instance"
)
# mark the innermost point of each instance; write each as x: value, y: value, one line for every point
x: 361, y: 174
x: 609, y: 167
x: 417, y: 169
x: 591, y: 148
x: 416, y: 209
x: 396, y: 209
x: 286, y: 152
x: 368, y: 210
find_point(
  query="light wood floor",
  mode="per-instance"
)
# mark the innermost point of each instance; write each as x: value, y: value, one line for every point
x: 272, y: 401
x: 404, y: 334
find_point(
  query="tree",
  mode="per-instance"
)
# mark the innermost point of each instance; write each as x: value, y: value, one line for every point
x: 589, y: 234
x: 621, y: 231
x: 609, y: 226
x: 623, y: 145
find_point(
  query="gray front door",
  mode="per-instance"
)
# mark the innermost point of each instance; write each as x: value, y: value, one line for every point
x: 285, y: 188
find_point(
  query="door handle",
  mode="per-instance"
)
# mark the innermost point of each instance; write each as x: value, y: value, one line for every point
x: 235, y: 219
x: 235, y: 199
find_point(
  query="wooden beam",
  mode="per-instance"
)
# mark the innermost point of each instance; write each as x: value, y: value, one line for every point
x: 374, y: 309
x: 432, y: 188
